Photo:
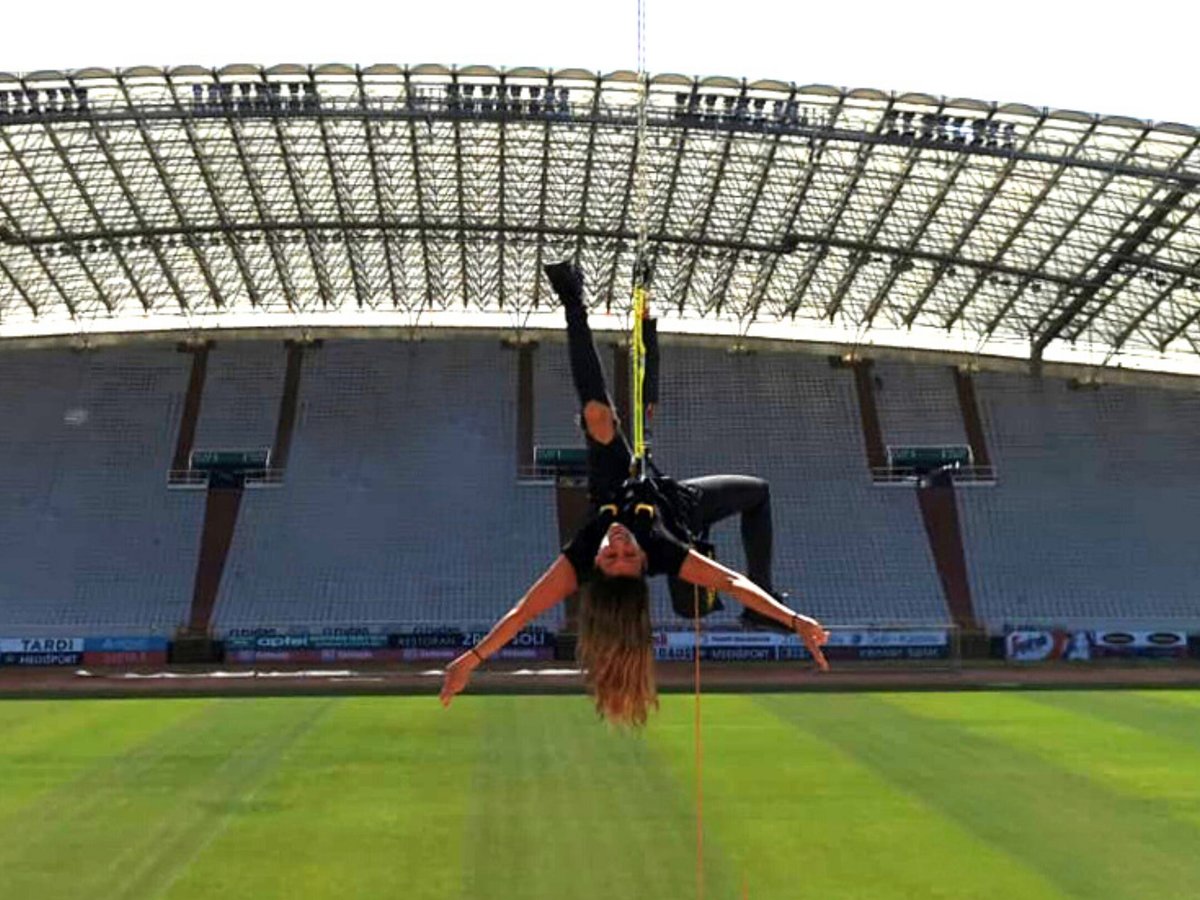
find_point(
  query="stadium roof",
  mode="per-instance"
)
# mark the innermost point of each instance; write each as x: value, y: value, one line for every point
x: 191, y: 198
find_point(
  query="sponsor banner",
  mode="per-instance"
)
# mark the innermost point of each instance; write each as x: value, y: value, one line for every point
x: 377, y: 654
x: 1038, y: 645
x: 845, y: 645
x: 722, y: 653
x: 125, y: 657
x: 448, y: 653
x: 858, y: 638
x: 926, y: 637
x: 430, y: 638
x: 282, y: 642
x: 41, y: 645
x: 125, y: 645
x: 687, y: 639
x: 309, y: 655
x: 330, y: 630
x: 453, y: 641
x: 41, y: 659
x: 1155, y: 644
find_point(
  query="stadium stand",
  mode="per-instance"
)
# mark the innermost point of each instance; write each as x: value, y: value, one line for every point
x: 400, y: 504
x: 92, y: 539
x: 849, y: 552
x: 1095, y: 514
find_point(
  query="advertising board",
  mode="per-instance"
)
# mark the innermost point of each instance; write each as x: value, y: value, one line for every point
x: 856, y: 644
x: 1049, y: 644
x: 41, y: 651
x: 125, y: 651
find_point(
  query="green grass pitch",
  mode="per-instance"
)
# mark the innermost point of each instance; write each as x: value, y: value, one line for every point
x: 946, y: 795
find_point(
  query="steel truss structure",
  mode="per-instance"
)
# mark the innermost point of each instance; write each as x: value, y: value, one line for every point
x: 195, y: 199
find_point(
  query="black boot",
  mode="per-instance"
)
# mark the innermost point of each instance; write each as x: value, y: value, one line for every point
x: 567, y: 281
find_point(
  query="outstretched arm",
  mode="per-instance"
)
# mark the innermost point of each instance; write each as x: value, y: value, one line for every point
x: 557, y: 583
x: 707, y: 573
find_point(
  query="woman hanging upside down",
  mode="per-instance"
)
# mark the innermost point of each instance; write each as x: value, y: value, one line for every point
x: 639, y: 527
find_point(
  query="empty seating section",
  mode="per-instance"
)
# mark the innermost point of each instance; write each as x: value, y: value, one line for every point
x: 400, y: 504
x: 918, y: 405
x: 1094, y: 517
x: 848, y: 551
x: 242, y: 389
x: 91, y: 540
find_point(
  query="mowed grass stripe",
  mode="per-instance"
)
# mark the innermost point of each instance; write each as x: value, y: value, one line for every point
x: 1149, y: 749
x: 1125, y: 741
x: 1080, y: 834
x: 140, y: 819
x: 564, y: 806
x: 52, y: 753
x: 1186, y: 698
x: 799, y: 817
x: 371, y: 803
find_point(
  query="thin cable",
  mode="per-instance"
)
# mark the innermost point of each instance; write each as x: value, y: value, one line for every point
x: 637, y: 355
x: 699, y: 750
x: 641, y: 200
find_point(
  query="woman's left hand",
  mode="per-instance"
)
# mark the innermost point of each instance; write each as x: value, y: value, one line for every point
x: 814, y: 636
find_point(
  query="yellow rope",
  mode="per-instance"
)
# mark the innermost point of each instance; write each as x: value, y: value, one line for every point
x: 637, y: 354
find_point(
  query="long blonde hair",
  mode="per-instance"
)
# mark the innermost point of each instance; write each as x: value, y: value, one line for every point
x: 614, y: 648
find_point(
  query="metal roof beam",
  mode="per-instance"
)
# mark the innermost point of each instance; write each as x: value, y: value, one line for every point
x: 377, y: 186
x: 668, y: 202
x: 861, y: 156
x: 1016, y: 231
x: 1060, y: 238
x: 214, y: 195
x: 423, y: 223
x: 101, y: 295
x: 460, y: 204
x: 623, y: 228
x: 131, y: 199
x: 501, y: 206
x: 797, y: 204
x: 428, y: 112
x: 176, y: 206
x: 935, y: 206
x: 315, y: 255
x: 357, y: 268
x: 256, y: 193
x: 706, y: 219
x: 1096, y: 283
x: 300, y: 225
x: 759, y: 188
x: 844, y: 283
x: 67, y: 302
x: 94, y: 211
x: 588, y: 167
x: 545, y: 175
x: 1148, y: 265
x: 20, y: 288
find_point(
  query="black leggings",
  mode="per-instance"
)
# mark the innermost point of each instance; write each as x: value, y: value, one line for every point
x: 721, y: 496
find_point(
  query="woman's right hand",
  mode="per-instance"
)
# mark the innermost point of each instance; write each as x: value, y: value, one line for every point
x: 814, y: 636
x: 458, y: 673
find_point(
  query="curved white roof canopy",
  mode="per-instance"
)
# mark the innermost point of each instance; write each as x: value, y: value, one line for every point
x: 188, y: 198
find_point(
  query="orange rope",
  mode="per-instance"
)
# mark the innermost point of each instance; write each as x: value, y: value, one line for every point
x: 699, y: 756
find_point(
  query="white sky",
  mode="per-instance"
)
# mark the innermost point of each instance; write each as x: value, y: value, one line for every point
x: 1135, y: 59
